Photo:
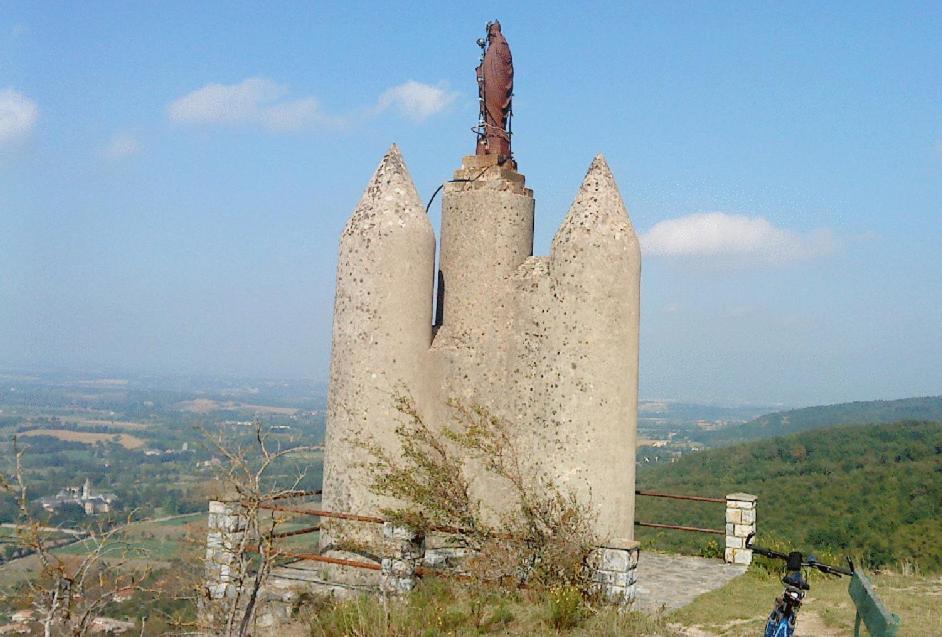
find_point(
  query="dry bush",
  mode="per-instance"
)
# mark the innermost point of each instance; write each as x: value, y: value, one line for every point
x: 543, y: 540
x: 68, y: 592
x: 246, y: 479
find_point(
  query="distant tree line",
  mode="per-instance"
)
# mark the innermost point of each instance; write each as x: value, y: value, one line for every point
x: 873, y: 412
x: 873, y: 491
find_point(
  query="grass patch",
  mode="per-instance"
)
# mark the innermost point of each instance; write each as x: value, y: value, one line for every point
x: 740, y: 608
x: 183, y: 520
x: 438, y: 608
x: 159, y: 541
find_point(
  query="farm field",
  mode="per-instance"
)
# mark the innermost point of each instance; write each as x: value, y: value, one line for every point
x: 127, y: 441
x: 205, y: 405
x: 116, y: 424
x: 157, y: 542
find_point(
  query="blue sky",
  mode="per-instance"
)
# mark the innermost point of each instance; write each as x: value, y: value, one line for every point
x: 174, y: 177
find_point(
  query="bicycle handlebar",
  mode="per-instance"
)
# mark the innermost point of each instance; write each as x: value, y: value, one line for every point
x: 824, y: 568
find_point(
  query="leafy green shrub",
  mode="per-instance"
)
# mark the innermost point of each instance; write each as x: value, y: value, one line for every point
x: 565, y: 608
x: 711, y: 549
x: 771, y: 568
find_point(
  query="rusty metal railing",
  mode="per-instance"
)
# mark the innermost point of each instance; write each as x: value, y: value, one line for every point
x: 675, y: 496
x: 678, y: 527
x: 271, y: 505
x: 353, y: 517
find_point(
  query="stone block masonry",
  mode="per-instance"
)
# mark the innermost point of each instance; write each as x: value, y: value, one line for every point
x: 614, y: 572
x: 740, y: 523
x: 225, y: 528
x: 405, y: 550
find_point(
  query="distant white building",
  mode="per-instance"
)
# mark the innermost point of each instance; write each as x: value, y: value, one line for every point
x: 92, y: 503
x: 110, y: 625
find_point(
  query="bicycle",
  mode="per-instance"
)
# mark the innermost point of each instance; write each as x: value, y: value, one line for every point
x: 785, y: 613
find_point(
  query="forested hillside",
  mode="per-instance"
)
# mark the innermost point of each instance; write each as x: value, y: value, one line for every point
x: 874, y: 491
x: 796, y: 420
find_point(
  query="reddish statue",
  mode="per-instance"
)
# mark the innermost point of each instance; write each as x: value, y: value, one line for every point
x: 495, y: 87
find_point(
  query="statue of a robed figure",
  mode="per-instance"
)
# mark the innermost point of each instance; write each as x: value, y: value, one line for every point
x: 495, y: 77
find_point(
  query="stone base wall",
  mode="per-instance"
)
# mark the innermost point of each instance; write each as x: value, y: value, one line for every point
x: 614, y: 572
x: 740, y: 524
x: 225, y: 527
x: 406, y: 550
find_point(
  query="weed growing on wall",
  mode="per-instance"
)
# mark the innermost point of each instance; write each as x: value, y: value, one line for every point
x: 543, y: 540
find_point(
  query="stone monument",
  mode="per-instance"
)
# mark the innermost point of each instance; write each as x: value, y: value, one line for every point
x: 549, y: 343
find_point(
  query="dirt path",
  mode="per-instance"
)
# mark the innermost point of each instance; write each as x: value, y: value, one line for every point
x: 47, y: 529
x: 810, y: 624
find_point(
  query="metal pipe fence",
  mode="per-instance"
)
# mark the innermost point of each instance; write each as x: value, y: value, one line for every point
x: 678, y: 527
x: 272, y: 505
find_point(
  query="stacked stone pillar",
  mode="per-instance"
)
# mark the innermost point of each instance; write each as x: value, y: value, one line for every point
x: 740, y: 523
x: 225, y: 529
x: 613, y: 571
x: 405, y: 550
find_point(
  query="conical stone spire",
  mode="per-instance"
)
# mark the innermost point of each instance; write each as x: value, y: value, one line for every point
x: 597, y: 213
x: 390, y: 197
x: 382, y: 330
x: 595, y: 271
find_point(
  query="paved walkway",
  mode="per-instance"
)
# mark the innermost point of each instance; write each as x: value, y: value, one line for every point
x: 671, y: 581
x: 664, y: 581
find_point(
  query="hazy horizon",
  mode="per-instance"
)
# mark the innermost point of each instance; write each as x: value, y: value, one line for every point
x: 175, y: 179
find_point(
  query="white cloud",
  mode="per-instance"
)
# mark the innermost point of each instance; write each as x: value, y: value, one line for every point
x: 415, y: 100
x: 122, y: 146
x: 255, y: 100
x: 261, y: 102
x: 718, y: 234
x: 18, y: 115
x: 292, y: 115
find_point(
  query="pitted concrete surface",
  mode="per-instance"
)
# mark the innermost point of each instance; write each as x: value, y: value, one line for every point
x: 672, y: 581
x: 548, y: 344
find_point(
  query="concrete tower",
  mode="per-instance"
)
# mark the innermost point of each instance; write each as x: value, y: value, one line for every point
x: 548, y: 343
x: 595, y: 271
x: 382, y: 328
x: 487, y: 232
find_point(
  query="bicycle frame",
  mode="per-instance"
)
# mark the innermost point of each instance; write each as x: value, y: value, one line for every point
x: 784, y: 616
